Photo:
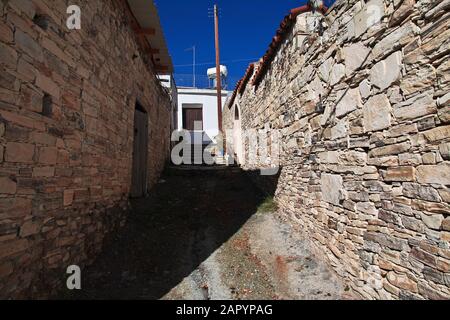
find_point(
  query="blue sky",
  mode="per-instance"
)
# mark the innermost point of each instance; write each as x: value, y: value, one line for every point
x: 247, y: 27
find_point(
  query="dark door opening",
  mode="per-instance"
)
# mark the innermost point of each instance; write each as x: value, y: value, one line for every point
x: 140, y: 153
x: 190, y: 116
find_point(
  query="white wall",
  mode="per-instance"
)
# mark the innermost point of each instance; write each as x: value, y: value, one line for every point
x: 207, y: 98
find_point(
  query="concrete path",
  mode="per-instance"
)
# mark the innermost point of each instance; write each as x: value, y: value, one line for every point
x: 208, y: 234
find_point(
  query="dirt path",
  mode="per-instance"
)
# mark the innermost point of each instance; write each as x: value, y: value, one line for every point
x: 207, y: 235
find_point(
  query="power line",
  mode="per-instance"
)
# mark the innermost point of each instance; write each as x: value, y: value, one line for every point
x: 212, y: 63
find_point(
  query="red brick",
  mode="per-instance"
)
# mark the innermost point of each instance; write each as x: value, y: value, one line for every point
x: 48, y: 155
x: 19, y: 152
x: 7, y: 186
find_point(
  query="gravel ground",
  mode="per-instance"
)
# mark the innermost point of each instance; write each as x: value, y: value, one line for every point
x: 207, y: 234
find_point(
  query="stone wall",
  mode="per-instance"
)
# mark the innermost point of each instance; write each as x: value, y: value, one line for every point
x: 67, y: 101
x: 362, y: 103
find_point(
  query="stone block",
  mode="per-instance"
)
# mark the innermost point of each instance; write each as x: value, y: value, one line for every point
x: 19, y: 152
x: 386, y: 72
x: 332, y: 188
x: 13, y: 247
x: 393, y: 149
x: 437, y: 134
x: 370, y: 15
x: 349, y: 101
x: 48, y: 155
x: 8, y: 56
x: 402, y: 281
x: 433, y: 221
x: 416, y: 107
x: 400, y: 174
x: 43, y: 172
x: 68, y: 197
x: 28, y: 45
x: 7, y: 185
x: 354, y: 57
x: 377, y: 113
x: 437, y: 174
x: 48, y: 85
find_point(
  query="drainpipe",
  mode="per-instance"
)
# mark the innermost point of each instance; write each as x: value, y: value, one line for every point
x: 312, y: 5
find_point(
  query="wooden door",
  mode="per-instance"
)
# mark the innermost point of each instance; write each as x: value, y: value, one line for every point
x: 190, y: 116
x: 140, y: 154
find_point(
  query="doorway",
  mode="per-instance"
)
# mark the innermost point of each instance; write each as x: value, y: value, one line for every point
x: 190, y: 117
x: 140, y: 153
x: 237, y: 137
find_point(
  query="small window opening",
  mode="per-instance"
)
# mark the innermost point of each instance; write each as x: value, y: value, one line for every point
x: 41, y: 21
x: 47, y: 105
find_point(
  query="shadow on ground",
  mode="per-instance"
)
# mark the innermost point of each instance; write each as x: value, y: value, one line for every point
x: 188, y: 216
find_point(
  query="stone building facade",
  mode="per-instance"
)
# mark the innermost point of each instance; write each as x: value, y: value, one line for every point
x: 67, y: 104
x: 361, y: 99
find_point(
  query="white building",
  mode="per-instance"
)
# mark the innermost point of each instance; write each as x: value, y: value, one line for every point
x: 200, y: 105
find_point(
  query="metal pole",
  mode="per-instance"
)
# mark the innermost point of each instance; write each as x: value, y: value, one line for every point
x: 218, y: 74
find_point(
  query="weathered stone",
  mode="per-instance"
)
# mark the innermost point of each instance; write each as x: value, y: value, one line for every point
x: 415, y: 107
x: 416, y: 191
x: 339, y: 131
x: 369, y: 16
x: 48, y: 85
x: 68, y: 197
x: 29, y: 228
x: 365, y: 88
x: 387, y: 72
x: 332, y: 187
x: 11, y: 248
x: 446, y: 225
x: 437, y: 134
x: 401, y: 174
x: 8, y: 56
x: 395, y: 39
x: 444, y: 149
x: 439, y: 174
x: 423, y: 79
x: 354, y: 56
x: 42, y: 172
x: 7, y: 185
x: 350, y: 100
x: 19, y: 152
x: 433, y: 221
x: 28, y: 45
x: 390, y: 150
x: 424, y: 257
x: 48, y: 155
x: 402, y: 282
x: 337, y: 73
x: 377, y: 113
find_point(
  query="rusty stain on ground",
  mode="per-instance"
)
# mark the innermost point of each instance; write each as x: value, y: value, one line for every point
x: 207, y: 234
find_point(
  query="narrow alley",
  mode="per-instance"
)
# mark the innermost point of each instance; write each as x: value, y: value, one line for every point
x: 212, y: 236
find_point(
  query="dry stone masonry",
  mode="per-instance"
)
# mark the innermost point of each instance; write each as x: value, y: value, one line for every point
x: 67, y: 102
x: 362, y: 102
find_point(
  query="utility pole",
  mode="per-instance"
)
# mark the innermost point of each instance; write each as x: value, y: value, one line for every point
x: 218, y: 73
